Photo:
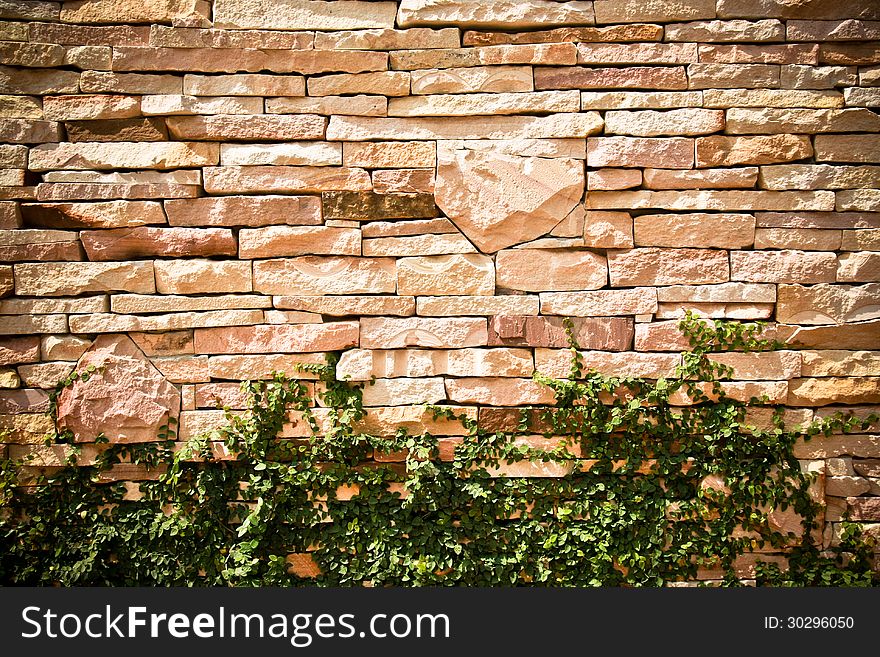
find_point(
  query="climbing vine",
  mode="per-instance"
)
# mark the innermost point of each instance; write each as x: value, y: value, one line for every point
x: 653, y: 482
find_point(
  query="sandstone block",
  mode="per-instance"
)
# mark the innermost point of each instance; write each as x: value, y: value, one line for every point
x: 743, y: 292
x: 90, y: 108
x: 819, y: 176
x: 169, y: 105
x: 202, y: 276
x: 14, y: 351
x: 498, y: 391
x: 763, y: 54
x: 26, y: 428
x: 125, y: 243
x: 505, y: 15
x: 783, y: 266
x: 846, y: 30
x: 795, y: 76
x: 600, y: 303
x: 771, y: 120
x: 28, y: 245
x: 821, y: 10
x: 469, y: 274
x: 20, y: 107
x: 27, y: 131
x: 310, y: 153
x: 249, y: 127
x: 274, y: 241
x: 486, y: 104
x: 758, y: 366
x: 844, y: 336
x: 394, y: 333
x: 37, y: 82
x: 568, y: 125
x: 733, y: 76
x: 487, y: 79
x: 252, y: 367
x: 701, y: 178
x: 244, y: 211
x: 369, y: 206
x: 672, y: 122
x: 387, y: 39
x: 403, y: 181
x: 557, y: 363
x: 452, y: 306
x: 604, y: 333
x: 730, y: 151
x: 614, y: 179
x: 244, y: 84
x: 126, y: 399
x: 404, y: 391
x: 552, y: 54
x: 860, y: 240
x: 383, y: 83
x: 631, y: 77
x: 863, y: 267
x: 316, y: 276
x: 848, y: 148
x: 304, y: 15
x: 122, y: 130
x: 112, y: 323
x: 75, y: 305
x: 349, y: 305
x: 619, y: 100
x: 730, y: 30
x: 838, y: 362
x: 867, y: 200
x: 418, y: 245
x: 641, y: 11
x: 277, y: 338
x: 652, y: 266
x: 143, y: 11
x: 329, y: 105
x: 128, y: 83
x: 498, y: 200
x: 125, y: 155
x: 723, y: 231
x: 834, y: 390
x: 61, y: 279
x: 150, y: 303
x: 823, y: 220
x: 640, y: 152
x: 389, y: 154
x: 31, y: 324
x: 537, y: 270
x: 25, y: 401
x: 608, y: 230
x: 610, y: 33
x: 284, y: 179
x: 805, y: 239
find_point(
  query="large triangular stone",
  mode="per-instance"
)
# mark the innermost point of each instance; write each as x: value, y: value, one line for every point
x: 125, y: 398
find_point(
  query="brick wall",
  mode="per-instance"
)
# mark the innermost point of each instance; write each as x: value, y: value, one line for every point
x: 431, y: 186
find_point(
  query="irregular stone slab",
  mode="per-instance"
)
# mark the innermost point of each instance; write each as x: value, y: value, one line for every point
x: 468, y: 274
x: 635, y: 77
x: 125, y: 243
x: 385, y: 83
x: 861, y: 267
x: 786, y: 266
x: 506, y: 15
x: 731, y: 151
x: 110, y: 214
x: 274, y: 241
x: 763, y: 54
x: 202, y: 276
x: 733, y: 76
x: 607, y: 34
x: 804, y: 9
x: 389, y: 154
x: 673, y: 153
x: 650, y: 11
x: 673, y: 122
x: 113, y: 323
x: 26, y: 131
x: 284, y: 179
x: 837, y: 362
x: 304, y: 15
x: 403, y: 181
x: 135, y: 11
x: 802, y: 121
x: 819, y: 176
x: 600, y: 303
x: 619, y: 100
x: 180, y: 37
x: 499, y: 200
x: 126, y: 399
x: 701, y: 178
x: 37, y: 82
x: 388, y: 39
x: 650, y: 266
x: 722, y: 231
x: 722, y: 200
x: 329, y: 105
x: 863, y: 335
x: 64, y: 279
x: 605, y: 333
x: 369, y: 206
x: 263, y: 210
x: 608, y: 230
x: 783, y: 98
x: 732, y: 30
x: 845, y: 30
x: 834, y: 390
x: 490, y: 104
x: 127, y: 130
x: 169, y: 105
x: 244, y: 84
x: 129, y: 83
x: 150, y: 303
x: 454, y: 306
x: 848, y: 148
x: 281, y: 338
x: 90, y: 108
x: 349, y: 305
x: 19, y: 350
x: 247, y: 127
x: 613, y: 54
x: 487, y: 79
x: 420, y: 245
x: 123, y: 155
x: 307, y: 153
x: 317, y: 275
x: 499, y: 391
x: 539, y: 270
x: 557, y: 363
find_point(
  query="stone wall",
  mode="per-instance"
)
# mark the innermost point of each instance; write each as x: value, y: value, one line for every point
x: 196, y: 193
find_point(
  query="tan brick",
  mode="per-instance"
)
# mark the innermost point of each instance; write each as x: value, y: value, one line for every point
x: 825, y: 220
x: 758, y: 366
x: 316, y: 275
x: 537, y: 270
x: 849, y: 53
x: 393, y: 333
x: 675, y: 152
x: 47, y: 306
x: 743, y: 292
x: 609, y: 33
x: 632, y: 77
x: 19, y: 350
x: 763, y: 54
x: 274, y: 241
x: 307, y: 153
x: 866, y: 200
x: 367, y: 206
x: 93, y: 107
x: 488, y: 79
x: 469, y: 274
x: 843, y: 30
x: 667, y: 267
x: 29, y: 245
x: 599, y: 303
x: 830, y: 446
x: 414, y: 419
x: 189, y: 37
x: 787, y: 266
x: 20, y: 107
x: 607, y: 54
x: 61, y: 279
x: 604, y: 333
x: 280, y: 338
x: 202, y: 276
x: 284, y: 179
x: 32, y: 324
x: 795, y: 76
x: 731, y: 151
x: 244, y: 84
x: 244, y: 211
x: 845, y: 336
x: 505, y: 14
x: 27, y: 131
x: 403, y: 181
x: 404, y: 391
x: 860, y: 240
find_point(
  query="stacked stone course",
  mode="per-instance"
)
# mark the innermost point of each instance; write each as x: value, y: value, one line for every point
x: 197, y: 192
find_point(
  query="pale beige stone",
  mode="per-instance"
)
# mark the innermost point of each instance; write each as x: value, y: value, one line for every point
x: 38, y: 81
x: 725, y: 292
x: 731, y: 151
x: 383, y: 83
x: 274, y: 241
x: 45, y: 375
x: 416, y: 420
x: 244, y: 211
x: 485, y: 104
x: 498, y: 391
x: 859, y: 200
x: 671, y: 122
x: 316, y: 276
x: 112, y: 323
x: 614, y: 179
x: 276, y: 338
x: 349, y: 305
x: 771, y: 120
x: 453, y: 306
x: 89, y: 57
x: 600, y: 303
x: 362, y: 365
x: 126, y: 243
x: 783, y: 98
x: 837, y: 362
x: 247, y: 127
x: 388, y: 39
x: 20, y: 107
x: 139, y: 11
x: 195, y: 276
x: 819, y: 176
x: 834, y: 390
x: 614, y: 54
x: 676, y: 152
x: 389, y: 154
x: 330, y: 105
x: 723, y: 231
x: 797, y: 76
x: 701, y: 178
x: 151, y: 303
x: 26, y: 428
x: 556, y: 363
x: 536, y: 270
x: 647, y: 11
x: 303, y: 15
x: 394, y: 333
x: 128, y: 83
x: 183, y: 369
x: 554, y: 148
x: 845, y: 336
x: 291, y: 317
x: 284, y: 179
x: 733, y: 76
x: 123, y: 155
x: 467, y: 274
x: 651, y: 266
x: 498, y: 200
x: 788, y: 266
x: 488, y: 79
x: 820, y: 446
x: 806, y: 239
x: 91, y: 107
x: 569, y: 125
x: 32, y: 324
x: 860, y: 97
x: 504, y: 14
x: 730, y: 30
x: 763, y: 54
x: 247, y: 367
x: 860, y: 240
x: 722, y: 200
x: 848, y: 148
x: 63, y: 347
x: 629, y: 77
x: 404, y: 391
x: 169, y: 105
x: 418, y: 245
x: 619, y: 100
x: 403, y: 181
x: 758, y: 366
x: 862, y: 267
x: 177, y: 177
x: 110, y: 214
x: 747, y: 311
x: 244, y: 84
x: 62, y: 279
x: 608, y: 230
x: 309, y: 153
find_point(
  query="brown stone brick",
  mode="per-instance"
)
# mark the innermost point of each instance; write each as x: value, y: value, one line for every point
x: 604, y: 333
x: 130, y: 130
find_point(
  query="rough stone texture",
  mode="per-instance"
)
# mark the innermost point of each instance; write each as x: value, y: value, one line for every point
x: 786, y: 266
x: 499, y: 200
x: 125, y: 243
x: 304, y: 15
x: 201, y: 276
x: 126, y: 399
x: 122, y: 155
x: 732, y: 151
x: 468, y: 274
x: 268, y: 339
x: 244, y: 211
x: 314, y: 275
x: 667, y: 267
x: 62, y: 279
x: 537, y: 270
x: 724, y: 231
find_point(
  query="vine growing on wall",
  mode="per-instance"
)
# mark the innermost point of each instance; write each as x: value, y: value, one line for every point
x: 653, y: 482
